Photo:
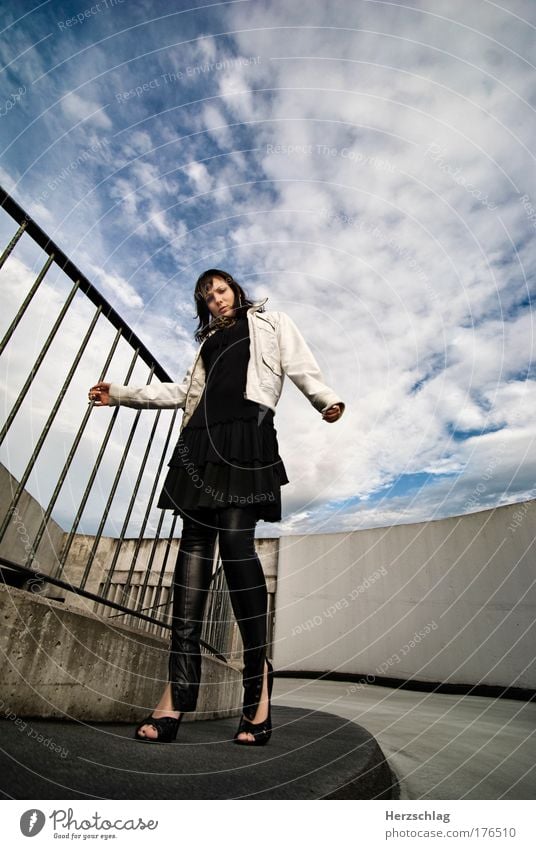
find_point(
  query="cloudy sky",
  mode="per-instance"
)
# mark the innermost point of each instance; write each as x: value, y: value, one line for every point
x: 369, y: 168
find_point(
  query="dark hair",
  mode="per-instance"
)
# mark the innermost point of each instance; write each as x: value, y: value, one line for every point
x: 204, y: 282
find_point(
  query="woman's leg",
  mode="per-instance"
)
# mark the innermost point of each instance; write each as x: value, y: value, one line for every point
x: 249, y: 599
x: 191, y: 580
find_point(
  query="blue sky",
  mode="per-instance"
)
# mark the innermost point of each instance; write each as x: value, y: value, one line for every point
x: 370, y: 170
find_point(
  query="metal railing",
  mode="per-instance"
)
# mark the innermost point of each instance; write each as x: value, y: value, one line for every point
x: 140, y: 594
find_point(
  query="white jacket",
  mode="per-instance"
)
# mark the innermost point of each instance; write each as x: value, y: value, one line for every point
x: 276, y: 348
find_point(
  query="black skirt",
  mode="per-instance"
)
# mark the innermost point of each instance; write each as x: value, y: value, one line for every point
x: 227, y: 454
x: 233, y: 463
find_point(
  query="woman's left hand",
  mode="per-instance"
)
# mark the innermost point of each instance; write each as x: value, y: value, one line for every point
x: 333, y: 413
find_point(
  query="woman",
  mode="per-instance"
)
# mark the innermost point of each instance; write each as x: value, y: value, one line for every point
x: 224, y: 475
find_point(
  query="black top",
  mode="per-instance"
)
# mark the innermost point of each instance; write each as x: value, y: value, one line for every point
x: 227, y: 453
x: 225, y: 355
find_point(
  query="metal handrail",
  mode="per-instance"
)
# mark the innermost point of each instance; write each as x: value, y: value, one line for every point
x: 57, y: 258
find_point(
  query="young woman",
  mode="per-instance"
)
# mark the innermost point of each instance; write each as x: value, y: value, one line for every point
x: 224, y: 475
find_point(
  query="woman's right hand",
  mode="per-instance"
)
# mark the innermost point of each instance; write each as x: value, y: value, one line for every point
x: 100, y: 394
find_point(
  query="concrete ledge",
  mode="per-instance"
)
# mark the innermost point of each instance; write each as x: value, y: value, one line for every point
x: 60, y: 662
x: 311, y: 755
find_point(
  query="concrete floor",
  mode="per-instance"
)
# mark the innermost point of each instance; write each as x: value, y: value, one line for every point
x: 440, y: 746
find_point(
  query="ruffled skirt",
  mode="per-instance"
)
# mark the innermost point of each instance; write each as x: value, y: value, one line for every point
x: 231, y: 463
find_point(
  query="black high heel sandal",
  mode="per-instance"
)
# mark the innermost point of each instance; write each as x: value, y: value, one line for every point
x: 166, y: 726
x: 261, y: 731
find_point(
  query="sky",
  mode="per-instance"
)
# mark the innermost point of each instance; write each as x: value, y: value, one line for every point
x: 368, y: 167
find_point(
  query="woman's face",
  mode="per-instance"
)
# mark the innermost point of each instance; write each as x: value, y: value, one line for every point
x: 220, y: 298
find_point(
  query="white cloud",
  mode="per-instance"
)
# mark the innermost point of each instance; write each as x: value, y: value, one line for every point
x: 116, y: 285
x: 199, y: 176
x: 77, y: 108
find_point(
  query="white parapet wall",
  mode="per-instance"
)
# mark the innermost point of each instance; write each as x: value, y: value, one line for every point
x: 450, y: 600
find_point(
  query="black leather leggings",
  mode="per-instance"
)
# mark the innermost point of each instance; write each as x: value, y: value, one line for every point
x: 247, y: 587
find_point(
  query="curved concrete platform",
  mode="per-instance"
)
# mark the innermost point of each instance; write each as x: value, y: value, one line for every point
x: 312, y: 755
x: 440, y: 745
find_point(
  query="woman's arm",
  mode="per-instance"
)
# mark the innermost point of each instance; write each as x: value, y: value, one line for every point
x: 300, y: 365
x: 152, y: 396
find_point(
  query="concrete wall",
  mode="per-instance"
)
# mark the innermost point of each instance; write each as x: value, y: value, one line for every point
x: 16, y: 543
x: 59, y: 662
x: 355, y: 602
